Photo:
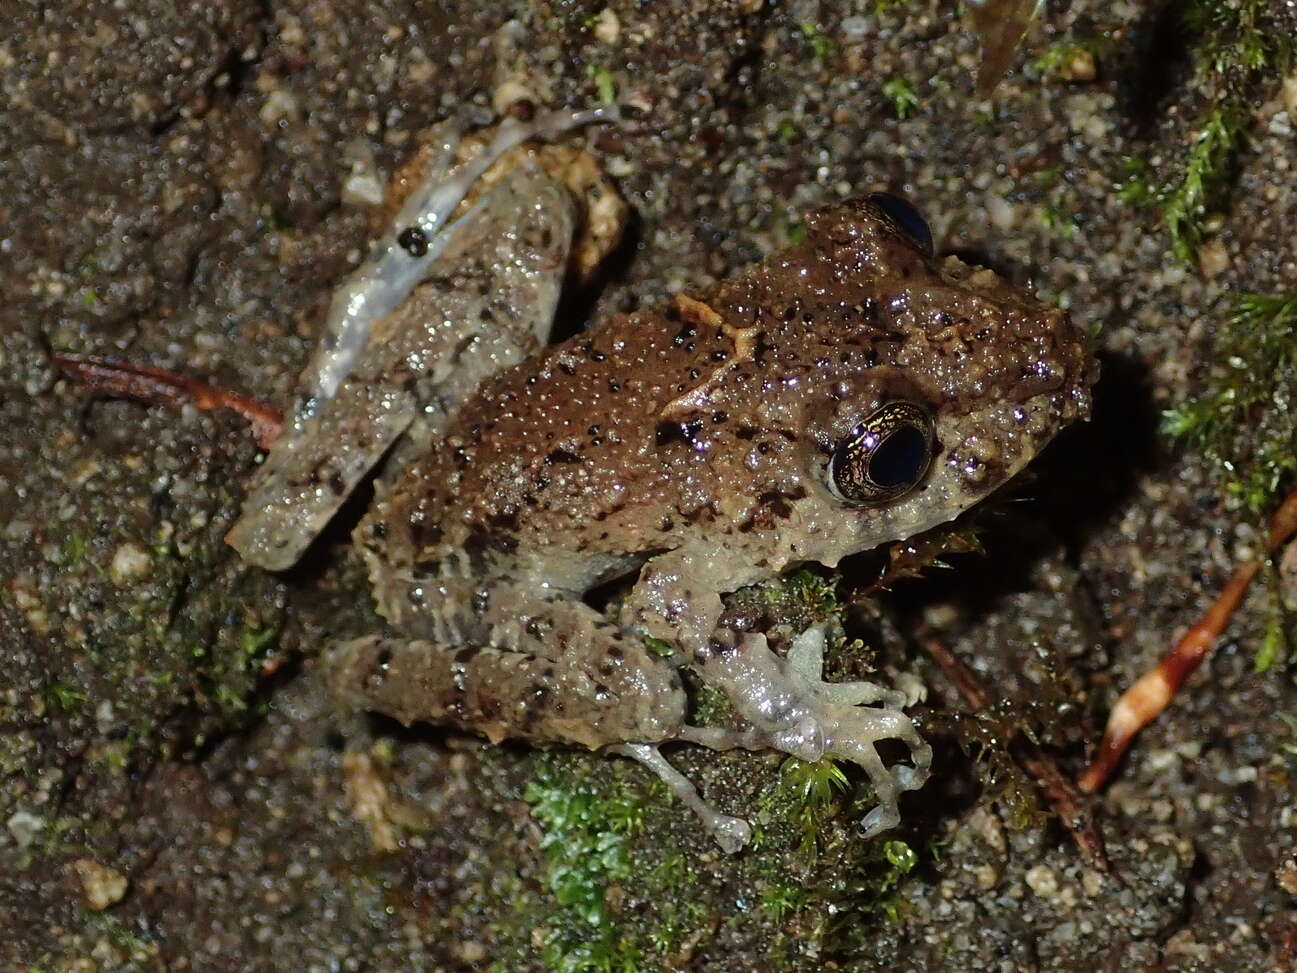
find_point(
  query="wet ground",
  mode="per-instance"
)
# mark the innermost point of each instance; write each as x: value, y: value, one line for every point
x: 177, y: 794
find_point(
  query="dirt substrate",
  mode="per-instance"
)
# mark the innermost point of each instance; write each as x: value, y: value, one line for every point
x: 176, y: 792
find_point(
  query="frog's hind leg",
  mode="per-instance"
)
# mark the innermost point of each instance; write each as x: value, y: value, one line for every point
x: 414, y: 241
x: 730, y: 833
x: 489, y: 308
x: 511, y: 662
x: 539, y: 668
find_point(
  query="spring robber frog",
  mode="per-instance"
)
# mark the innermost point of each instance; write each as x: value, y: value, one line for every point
x: 852, y: 390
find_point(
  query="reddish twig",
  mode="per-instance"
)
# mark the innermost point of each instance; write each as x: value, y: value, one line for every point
x: 106, y: 376
x: 1056, y: 786
x: 1152, y: 692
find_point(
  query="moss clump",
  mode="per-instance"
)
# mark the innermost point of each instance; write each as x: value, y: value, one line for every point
x: 902, y: 96
x: 1275, y: 643
x: 63, y: 696
x: 820, y: 44
x: 1234, y: 47
x: 1243, y: 424
x: 604, y: 82
x: 807, y: 796
x: 993, y: 737
x: 1062, y: 59
x: 585, y: 848
x: 803, y: 598
x: 1206, y: 180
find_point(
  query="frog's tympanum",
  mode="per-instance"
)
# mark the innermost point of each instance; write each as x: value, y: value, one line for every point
x: 851, y: 390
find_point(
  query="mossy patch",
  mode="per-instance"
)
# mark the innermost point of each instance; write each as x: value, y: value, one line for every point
x: 584, y: 841
x: 1235, y: 50
x: 1243, y: 423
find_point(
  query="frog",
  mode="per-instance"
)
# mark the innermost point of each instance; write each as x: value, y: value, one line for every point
x: 851, y: 390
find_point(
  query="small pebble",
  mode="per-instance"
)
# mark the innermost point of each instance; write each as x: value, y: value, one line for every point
x: 130, y: 563
x: 102, y: 885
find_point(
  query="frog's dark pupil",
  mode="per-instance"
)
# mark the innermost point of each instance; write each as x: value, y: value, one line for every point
x: 906, y: 217
x: 898, y: 460
x: 413, y: 241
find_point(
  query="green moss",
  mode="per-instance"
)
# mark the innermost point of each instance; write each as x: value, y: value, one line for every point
x: 1275, y: 643
x: 64, y: 696
x: 585, y: 848
x: 659, y: 647
x: 1244, y: 423
x: 803, y: 597
x: 788, y: 227
x: 902, y: 95
x: 1061, y: 53
x: 604, y: 82
x: 73, y: 550
x: 709, y: 706
x: 1232, y: 36
x: 1206, y: 181
x: 1233, y: 48
x: 820, y: 44
x: 1290, y: 725
x: 807, y: 796
x: 256, y: 642
x: 135, y: 945
x: 1135, y: 186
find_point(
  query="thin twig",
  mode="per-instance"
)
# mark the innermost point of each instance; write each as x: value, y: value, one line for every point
x: 1152, y: 692
x: 1056, y: 786
x: 119, y: 379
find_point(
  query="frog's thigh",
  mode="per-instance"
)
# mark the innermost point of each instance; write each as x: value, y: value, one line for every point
x: 487, y: 305
x: 556, y: 673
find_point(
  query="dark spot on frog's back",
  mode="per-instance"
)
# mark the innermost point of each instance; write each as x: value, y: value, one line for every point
x: 480, y: 543
x: 773, y: 506
x: 507, y: 521
x: 561, y: 456
x: 673, y: 432
x: 425, y: 533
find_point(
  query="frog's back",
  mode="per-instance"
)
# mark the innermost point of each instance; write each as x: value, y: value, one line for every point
x: 563, y: 450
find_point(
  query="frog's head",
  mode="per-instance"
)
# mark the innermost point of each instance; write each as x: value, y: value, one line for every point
x: 923, y: 383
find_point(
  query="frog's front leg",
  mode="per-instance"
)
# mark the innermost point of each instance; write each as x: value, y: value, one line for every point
x: 789, y: 706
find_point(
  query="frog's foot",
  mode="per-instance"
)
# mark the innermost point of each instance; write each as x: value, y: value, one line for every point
x: 729, y: 832
x: 792, y: 709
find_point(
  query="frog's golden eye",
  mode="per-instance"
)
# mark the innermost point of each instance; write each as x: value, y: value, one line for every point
x: 884, y: 457
x: 906, y: 218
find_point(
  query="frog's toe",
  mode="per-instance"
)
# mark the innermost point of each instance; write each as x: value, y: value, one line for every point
x: 730, y: 833
x: 806, y: 663
x: 806, y: 654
